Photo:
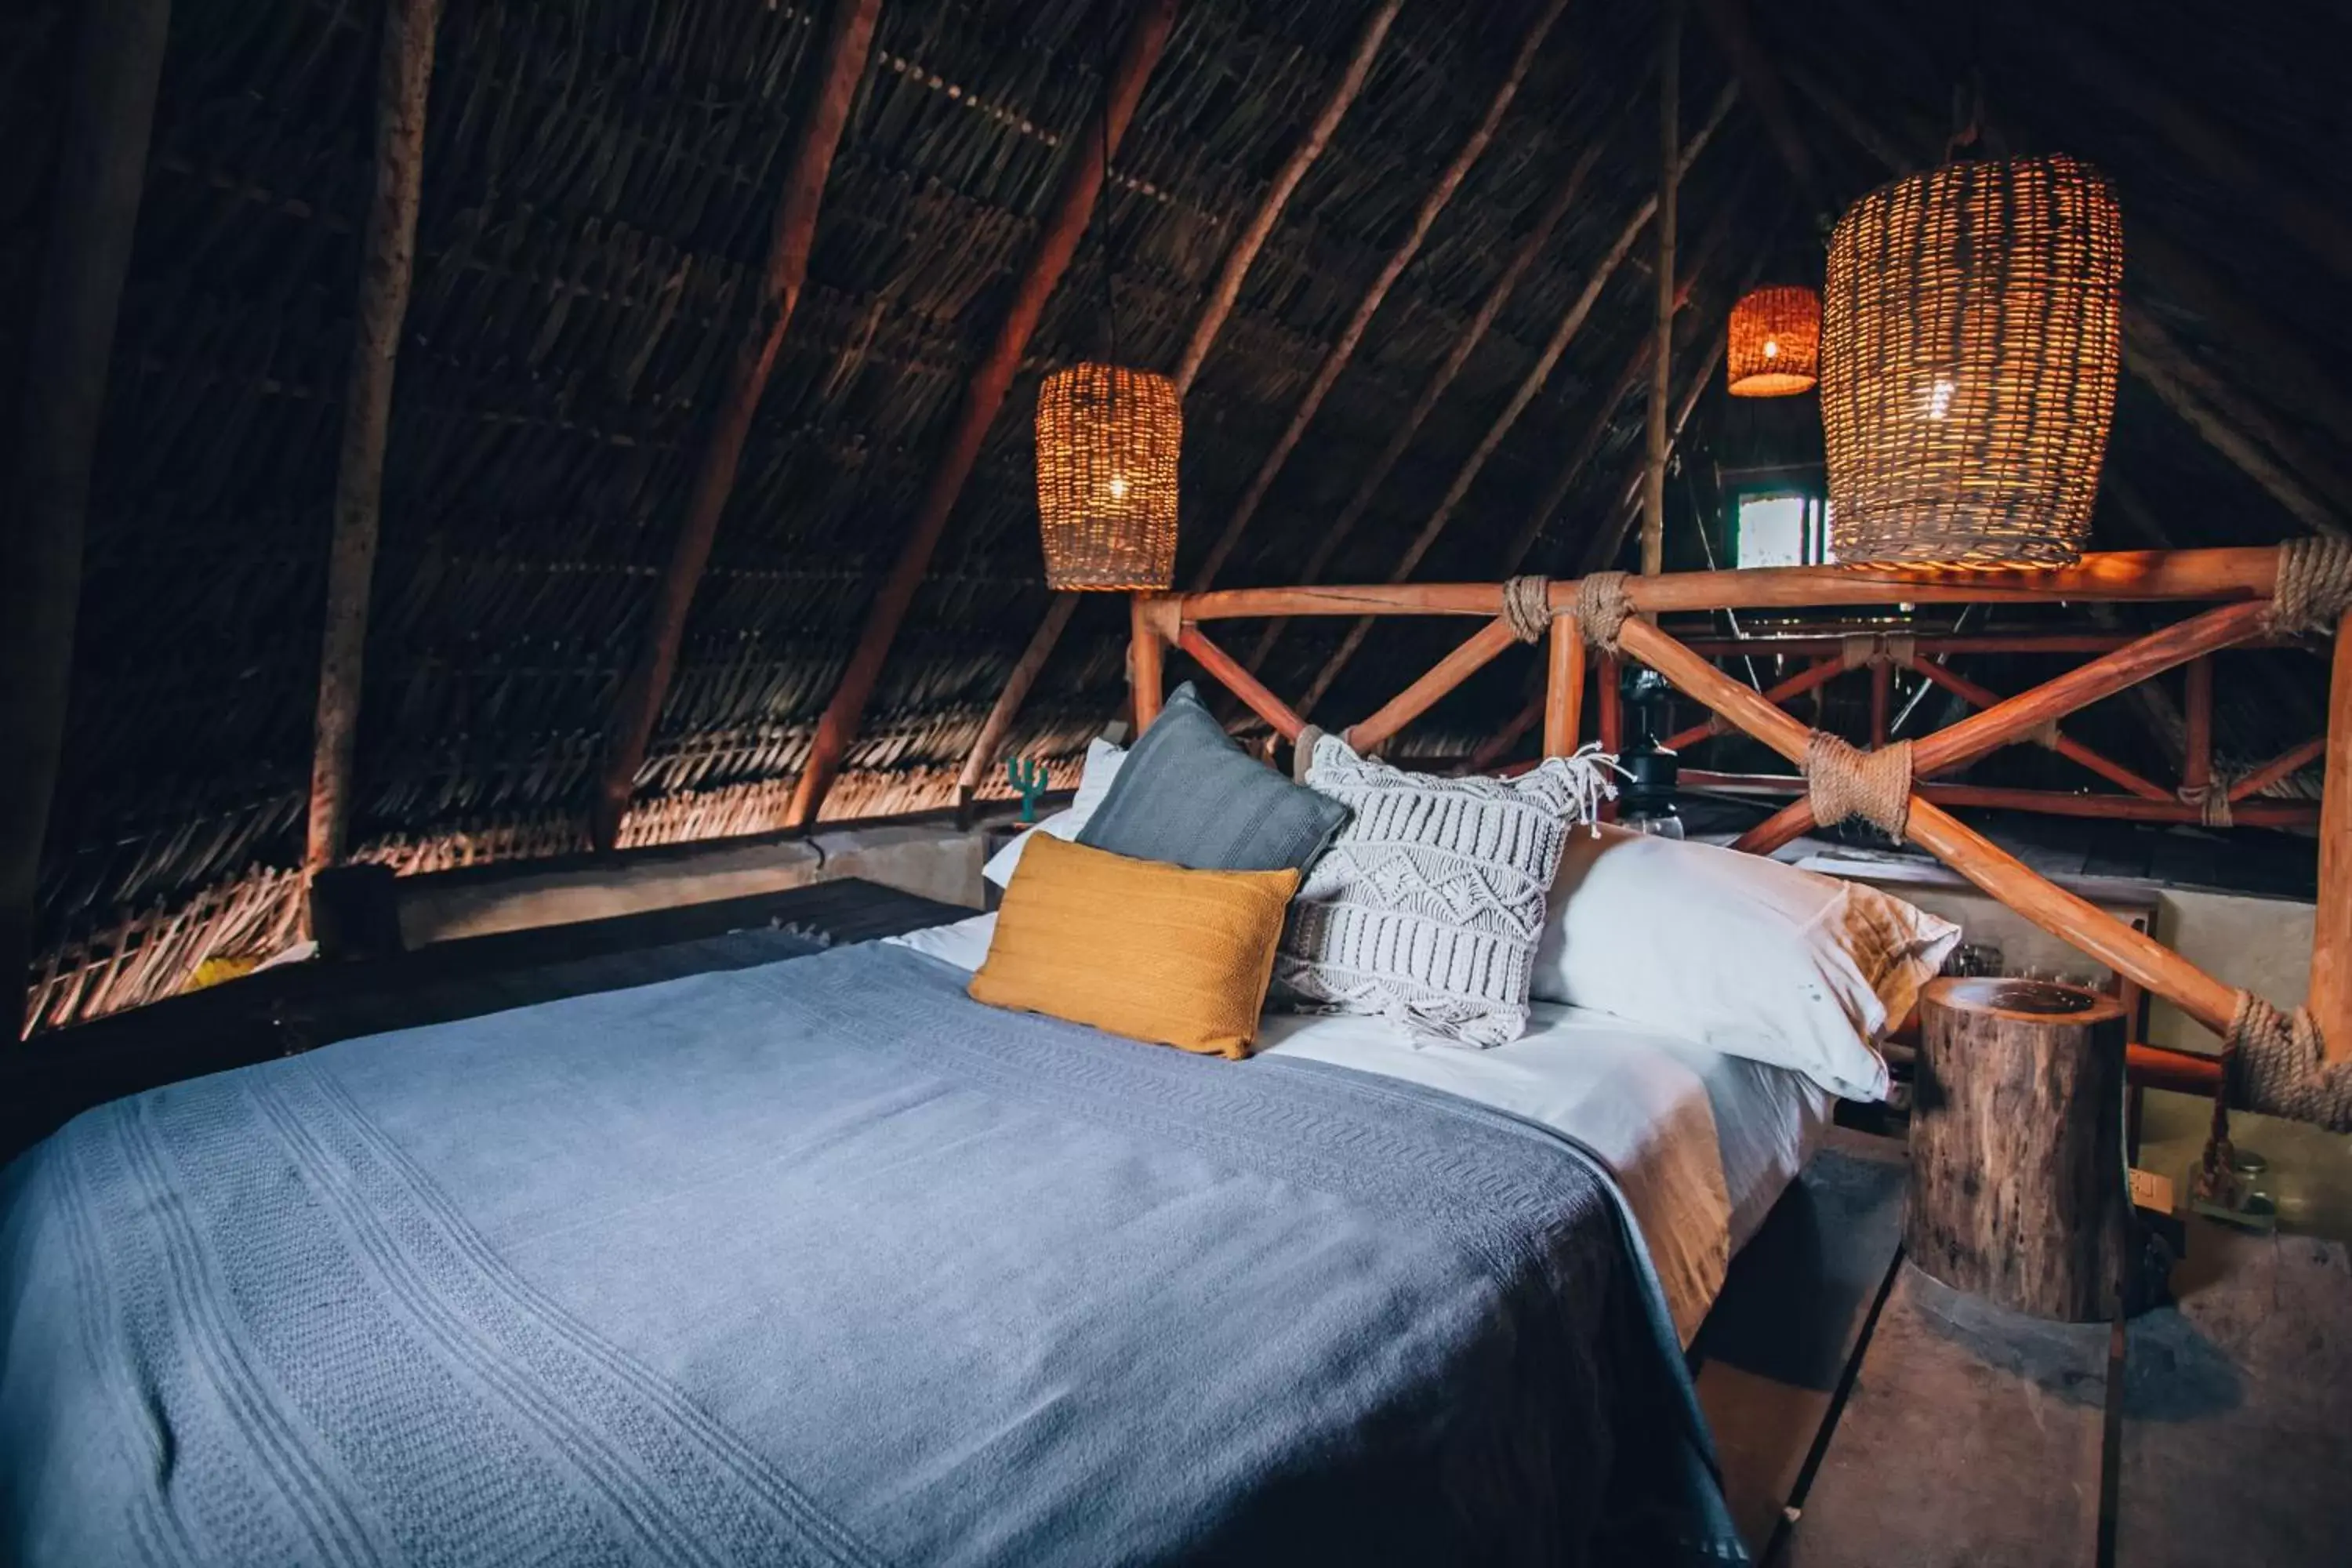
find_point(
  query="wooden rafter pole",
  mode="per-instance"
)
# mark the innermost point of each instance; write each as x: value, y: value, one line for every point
x: 1343, y: 349
x: 1604, y: 546
x: 1215, y: 313
x: 1450, y: 504
x: 983, y: 396
x: 1571, y: 322
x: 117, y: 58
x: 2318, y: 224
x: 1653, y: 484
x: 848, y: 41
x: 387, y: 267
x: 1760, y: 79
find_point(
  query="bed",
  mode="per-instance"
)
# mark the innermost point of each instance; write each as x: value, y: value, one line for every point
x: 818, y: 1261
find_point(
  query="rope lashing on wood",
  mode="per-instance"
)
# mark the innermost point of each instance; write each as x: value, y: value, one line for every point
x: 1601, y: 608
x: 2274, y: 1063
x: 1896, y: 649
x: 1844, y: 780
x: 2210, y: 802
x: 1302, y: 751
x: 2045, y: 734
x: 2315, y: 585
x: 1526, y: 607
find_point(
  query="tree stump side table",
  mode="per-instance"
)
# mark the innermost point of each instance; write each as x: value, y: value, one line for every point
x: 2018, y: 1188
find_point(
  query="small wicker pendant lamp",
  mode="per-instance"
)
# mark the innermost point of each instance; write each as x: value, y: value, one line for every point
x: 1107, y: 445
x: 1775, y: 347
x: 1972, y: 334
x: 1107, y: 441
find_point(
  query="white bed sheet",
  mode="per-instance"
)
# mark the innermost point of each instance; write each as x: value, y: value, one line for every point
x: 1702, y: 1142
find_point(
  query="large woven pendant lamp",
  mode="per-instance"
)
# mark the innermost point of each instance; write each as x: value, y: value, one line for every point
x: 1774, y: 347
x: 1107, y: 441
x: 1972, y: 331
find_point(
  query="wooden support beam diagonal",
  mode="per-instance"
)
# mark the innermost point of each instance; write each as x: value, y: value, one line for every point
x: 2287, y: 764
x: 1344, y: 348
x: 2073, y: 751
x: 1212, y: 320
x: 110, y: 108
x: 1228, y: 671
x: 2071, y: 920
x: 983, y: 398
x: 387, y: 266
x: 2013, y: 719
x: 849, y: 39
x: 1820, y: 673
x: 1472, y: 656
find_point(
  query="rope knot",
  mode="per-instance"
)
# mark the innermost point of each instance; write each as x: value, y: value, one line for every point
x: 1842, y: 781
x: 2276, y: 1062
x: 2315, y: 585
x: 1526, y: 606
x: 2210, y: 802
x: 1601, y: 608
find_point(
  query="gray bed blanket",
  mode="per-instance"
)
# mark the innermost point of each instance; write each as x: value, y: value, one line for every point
x: 821, y: 1262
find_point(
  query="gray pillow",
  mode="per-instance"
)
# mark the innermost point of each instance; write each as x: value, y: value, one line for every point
x: 1188, y: 795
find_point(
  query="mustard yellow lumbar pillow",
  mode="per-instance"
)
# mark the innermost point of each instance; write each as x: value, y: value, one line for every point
x: 1141, y: 949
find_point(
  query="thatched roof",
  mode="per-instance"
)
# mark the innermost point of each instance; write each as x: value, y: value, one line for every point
x: 599, y: 181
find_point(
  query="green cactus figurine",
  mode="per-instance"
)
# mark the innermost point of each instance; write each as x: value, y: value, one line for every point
x: 1029, y: 777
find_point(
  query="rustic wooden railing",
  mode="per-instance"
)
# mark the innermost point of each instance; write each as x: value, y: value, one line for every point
x: 2240, y: 584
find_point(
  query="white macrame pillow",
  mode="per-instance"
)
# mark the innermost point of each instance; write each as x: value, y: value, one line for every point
x: 1427, y: 907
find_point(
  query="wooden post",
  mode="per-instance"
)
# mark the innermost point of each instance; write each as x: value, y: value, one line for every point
x: 1882, y: 692
x: 118, y: 57
x: 2197, y: 760
x: 1612, y: 716
x: 847, y: 42
x: 1205, y: 329
x: 983, y: 396
x: 1328, y: 373
x: 2330, y: 999
x: 1564, y: 687
x: 387, y: 264
x: 1654, y: 493
x: 1144, y: 649
x: 2018, y: 1190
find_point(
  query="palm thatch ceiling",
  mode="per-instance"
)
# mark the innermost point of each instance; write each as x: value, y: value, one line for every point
x: 599, y: 182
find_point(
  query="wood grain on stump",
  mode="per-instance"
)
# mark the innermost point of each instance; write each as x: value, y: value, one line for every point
x: 2019, y: 1191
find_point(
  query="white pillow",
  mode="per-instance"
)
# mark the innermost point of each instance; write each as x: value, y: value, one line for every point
x: 964, y: 944
x: 1426, y: 908
x: 1102, y: 766
x: 1738, y: 953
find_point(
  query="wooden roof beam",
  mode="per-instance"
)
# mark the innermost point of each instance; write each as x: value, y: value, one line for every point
x: 1214, y: 315
x: 387, y: 267
x: 109, y: 109
x: 1760, y: 79
x: 983, y: 398
x: 1655, y: 439
x: 848, y: 42
x: 1342, y: 349
x: 1529, y: 386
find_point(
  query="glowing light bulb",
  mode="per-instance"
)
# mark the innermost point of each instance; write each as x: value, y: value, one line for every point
x: 1772, y: 348
x: 1939, y: 398
x: 1117, y: 486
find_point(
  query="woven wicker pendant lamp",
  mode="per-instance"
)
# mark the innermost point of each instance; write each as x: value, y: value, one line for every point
x: 1971, y: 335
x: 1107, y: 440
x: 1775, y: 344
